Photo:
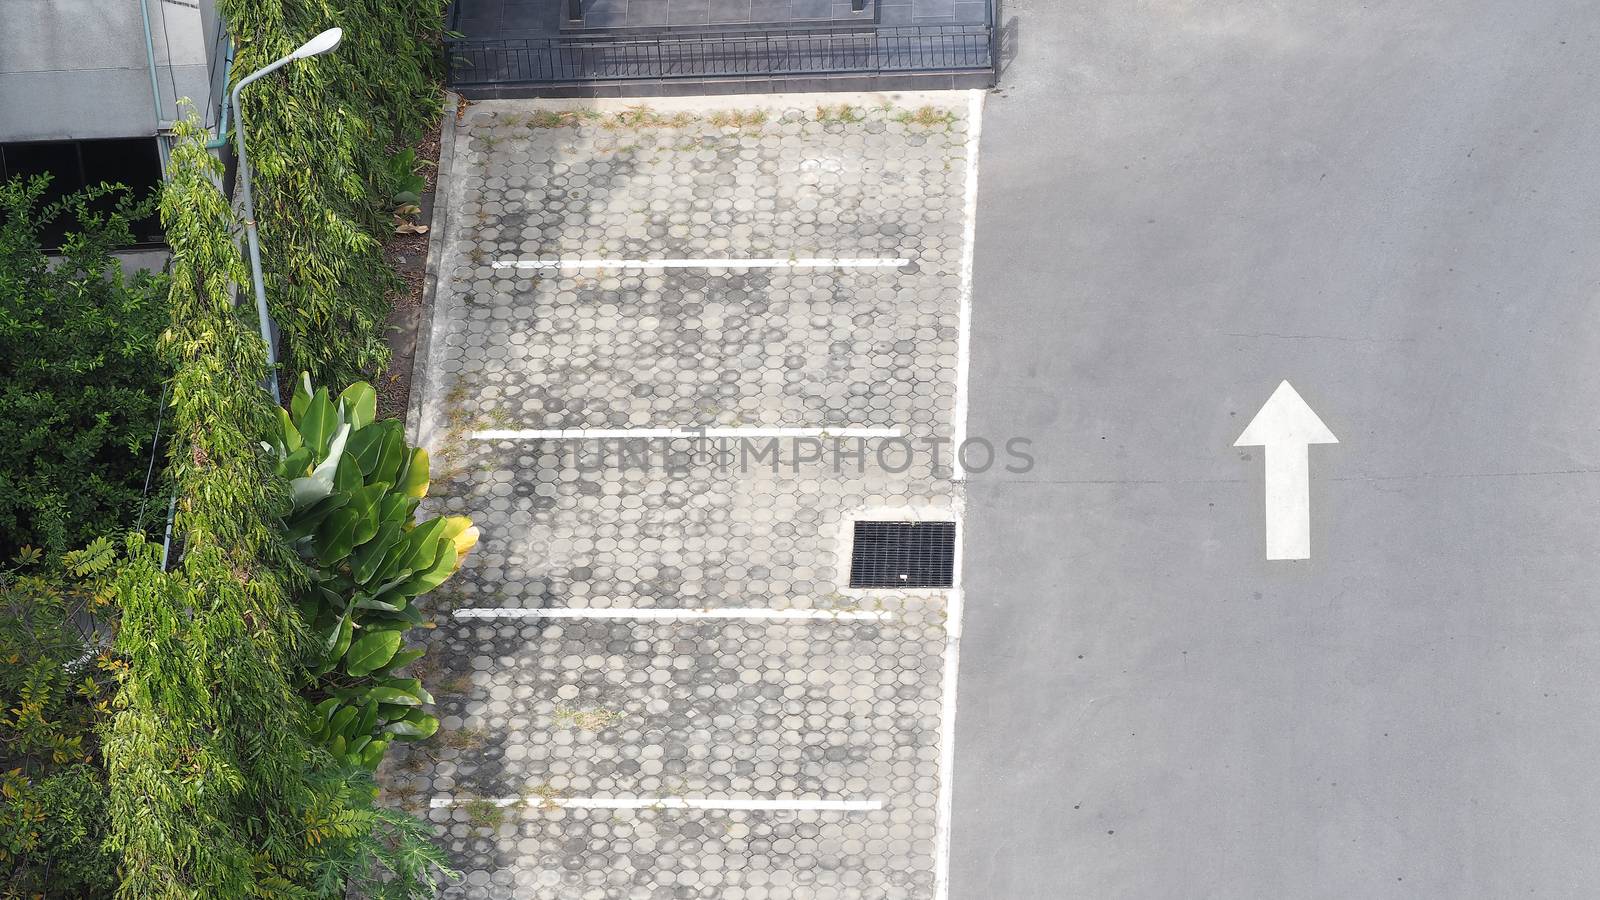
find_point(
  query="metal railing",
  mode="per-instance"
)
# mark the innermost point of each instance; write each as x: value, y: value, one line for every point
x: 722, y: 54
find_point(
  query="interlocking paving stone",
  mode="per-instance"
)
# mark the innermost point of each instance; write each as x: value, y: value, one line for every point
x: 813, y: 709
x: 745, y: 347
x: 570, y: 527
x: 705, y: 709
x: 652, y: 709
x: 727, y: 856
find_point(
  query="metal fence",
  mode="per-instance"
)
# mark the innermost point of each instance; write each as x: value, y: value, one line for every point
x: 724, y: 54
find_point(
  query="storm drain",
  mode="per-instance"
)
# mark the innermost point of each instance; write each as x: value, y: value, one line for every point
x: 903, y: 555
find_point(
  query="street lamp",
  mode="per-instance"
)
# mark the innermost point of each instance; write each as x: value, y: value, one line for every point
x: 317, y: 46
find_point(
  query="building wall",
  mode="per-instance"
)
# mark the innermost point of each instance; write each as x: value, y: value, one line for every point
x: 78, y: 69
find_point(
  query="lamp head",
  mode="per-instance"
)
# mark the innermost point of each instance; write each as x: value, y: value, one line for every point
x: 319, y: 45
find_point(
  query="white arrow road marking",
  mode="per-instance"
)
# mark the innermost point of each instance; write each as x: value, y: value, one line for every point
x: 1285, y: 426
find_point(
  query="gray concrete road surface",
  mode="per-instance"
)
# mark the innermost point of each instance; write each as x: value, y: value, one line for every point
x: 1396, y: 207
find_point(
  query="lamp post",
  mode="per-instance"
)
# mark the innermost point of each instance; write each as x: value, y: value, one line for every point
x: 317, y: 46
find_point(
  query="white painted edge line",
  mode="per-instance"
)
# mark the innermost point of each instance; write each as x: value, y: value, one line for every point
x: 568, y: 612
x: 668, y: 803
x: 587, y: 434
x: 969, y: 233
x: 955, y: 604
x: 771, y: 262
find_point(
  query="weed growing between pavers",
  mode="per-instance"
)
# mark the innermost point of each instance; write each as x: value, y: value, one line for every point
x: 548, y: 796
x: 460, y: 684
x: 645, y: 117
x: 926, y: 116
x: 564, y: 118
x: 485, y: 813
x: 465, y: 739
x: 404, y: 795
x: 641, y: 118
x: 596, y: 719
x: 459, y: 423
x: 842, y: 114
x: 733, y: 125
x: 739, y: 119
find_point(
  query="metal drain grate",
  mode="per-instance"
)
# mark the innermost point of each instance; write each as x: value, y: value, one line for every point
x: 903, y: 555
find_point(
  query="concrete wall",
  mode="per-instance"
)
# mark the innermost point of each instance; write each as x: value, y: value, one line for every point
x: 78, y: 69
x: 143, y: 260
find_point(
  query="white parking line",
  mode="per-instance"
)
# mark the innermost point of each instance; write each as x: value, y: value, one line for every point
x: 968, y: 235
x: 588, y: 434
x: 668, y: 803
x: 567, y: 612
x: 956, y: 603
x: 706, y: 263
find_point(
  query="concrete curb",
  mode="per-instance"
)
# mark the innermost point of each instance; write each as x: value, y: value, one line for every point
x: 417, y: 432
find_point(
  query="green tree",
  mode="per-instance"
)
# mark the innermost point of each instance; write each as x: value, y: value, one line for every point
x: 79, y: 383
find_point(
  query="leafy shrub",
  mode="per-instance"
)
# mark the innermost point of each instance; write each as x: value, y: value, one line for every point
x: 408, y: 183
x: 355, y: 487
x: 386, y: 854
x: 79, y: 383
x: 52, y: 834
x: 53, y: 695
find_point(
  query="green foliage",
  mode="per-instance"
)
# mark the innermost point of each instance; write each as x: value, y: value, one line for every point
x: 216, y: 786
x: 320, y: 132
x: 355, y: 487
x: 52, y: 831
x: 49, y: 698
x: 78, y: 385
x: 206, y: 754
x: 53, y: 693
x: 388, y: 853
x: 408, y: 183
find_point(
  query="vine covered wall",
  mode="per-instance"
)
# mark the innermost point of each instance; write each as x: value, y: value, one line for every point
x: 320, y: 136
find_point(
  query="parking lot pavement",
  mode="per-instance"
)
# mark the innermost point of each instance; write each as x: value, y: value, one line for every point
x: 653, y: 676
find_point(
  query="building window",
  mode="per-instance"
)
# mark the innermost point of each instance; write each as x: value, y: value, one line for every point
x: 73, y: 165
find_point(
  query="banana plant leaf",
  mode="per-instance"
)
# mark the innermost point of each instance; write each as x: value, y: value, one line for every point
x: 370, y: 652
x: 318, y: 422
x: 304, y: 523
x: 414, y: 727
x: 337, y: 536
x: 360, y: 403
x: 414, y: 480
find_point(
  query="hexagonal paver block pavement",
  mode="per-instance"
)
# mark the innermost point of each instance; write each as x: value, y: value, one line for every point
x: 654, y: 679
